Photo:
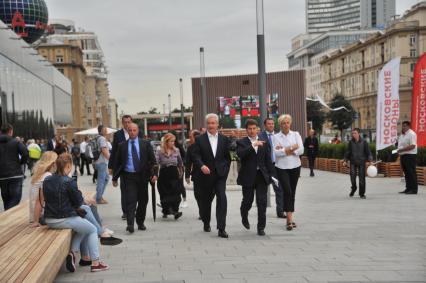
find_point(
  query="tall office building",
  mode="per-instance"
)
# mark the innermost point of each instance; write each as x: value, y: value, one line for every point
x: 331, y: 15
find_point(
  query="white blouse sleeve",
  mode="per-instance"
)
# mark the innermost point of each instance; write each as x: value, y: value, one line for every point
x: 299, y: 141
x: 275, y: 143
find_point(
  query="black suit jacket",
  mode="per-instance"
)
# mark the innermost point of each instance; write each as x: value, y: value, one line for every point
x: 203, y: 155
x: 190, y: 169
x: 148, y: 161
x: 118, y: 138
x: 251, y: 161
x: 311, y: 151
x: 50, y: 146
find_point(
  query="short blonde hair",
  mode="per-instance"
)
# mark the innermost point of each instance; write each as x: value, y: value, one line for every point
x: 284, y: 117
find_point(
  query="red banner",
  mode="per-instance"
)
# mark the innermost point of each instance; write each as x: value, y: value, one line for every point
x: 418, y: 106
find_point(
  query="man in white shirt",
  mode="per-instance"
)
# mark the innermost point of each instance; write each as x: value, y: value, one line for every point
x: 85, y: 160
x: 212, y: 157
x: 407, y: 149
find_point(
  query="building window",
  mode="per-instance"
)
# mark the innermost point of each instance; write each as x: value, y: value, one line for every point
x: 413, y: 53
x: 412, y: 39
x: 59, y: 59
x: 89, y: 109
x: 412, y: 66
x: 246, y: 82
x: 90, y: 122
x: 61, y: 70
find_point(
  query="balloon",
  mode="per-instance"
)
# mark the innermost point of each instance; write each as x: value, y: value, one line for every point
x: 372, y: 171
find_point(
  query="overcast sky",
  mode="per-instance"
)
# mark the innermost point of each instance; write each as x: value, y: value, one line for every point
x: 150, y: 44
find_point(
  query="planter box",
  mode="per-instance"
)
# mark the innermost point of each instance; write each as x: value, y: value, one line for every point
x: 393, y: 169
x: 421, y: 175
x: 343, y: 169
x: 334, y: 165
x: 305, y: 162
x: 323, y: 164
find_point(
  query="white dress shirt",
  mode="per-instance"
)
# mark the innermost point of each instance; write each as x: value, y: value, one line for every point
x: 213, y: 142
x: 83, y: 147
x: 252, y: 143
x: 409, y: 138
x: 282, y: 160
x: 126, y: 134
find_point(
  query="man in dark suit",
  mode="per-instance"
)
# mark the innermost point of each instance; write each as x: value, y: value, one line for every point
x: 52, y: 143
x: 267, y: 135
x: 255, y: 174
x: 119, y: 137
x: 212, y: 159
x: 135, y: 166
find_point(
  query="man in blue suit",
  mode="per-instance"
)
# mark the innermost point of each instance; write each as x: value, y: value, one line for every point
x: 266, y: 136
x: 119, y: 137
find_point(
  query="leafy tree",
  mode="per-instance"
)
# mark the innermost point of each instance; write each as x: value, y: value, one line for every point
x: 227, y: 123
x: 341, y: 119
x: 315, y: 114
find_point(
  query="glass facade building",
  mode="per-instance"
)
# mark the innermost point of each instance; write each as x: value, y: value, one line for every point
x: 30, y: 84
x: 331, y: 15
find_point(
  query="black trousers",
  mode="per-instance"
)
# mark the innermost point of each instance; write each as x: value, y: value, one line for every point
x: 408, y: 164
x: 197, y: 196
x: 278, y: 198
x: 311, y: 160
x: 11, y: 192
x: 123, y: 197
x: 261, y: 189
x: 288, y: 179
x: 136, y: 195
x: 169, y: 189
x: 360, y: 171
x: 85, y: 161
x: 215, y: 187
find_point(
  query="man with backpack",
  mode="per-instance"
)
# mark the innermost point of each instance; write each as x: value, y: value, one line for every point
x: 100, y: 152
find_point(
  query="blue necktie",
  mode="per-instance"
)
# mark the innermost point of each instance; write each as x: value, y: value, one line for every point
x: 272, y: 147
x: 135, y: 157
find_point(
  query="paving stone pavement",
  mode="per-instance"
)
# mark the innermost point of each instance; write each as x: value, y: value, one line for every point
x: 338, y: 239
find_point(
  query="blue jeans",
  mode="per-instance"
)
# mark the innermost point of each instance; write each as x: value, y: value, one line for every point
x: 85, y: 235
x: 11, y: 192
x: 92, y: 219
x: 103, y: 178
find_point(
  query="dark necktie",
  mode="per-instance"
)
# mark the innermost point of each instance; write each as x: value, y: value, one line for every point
x: 272, y: 147
x: 135, y: 157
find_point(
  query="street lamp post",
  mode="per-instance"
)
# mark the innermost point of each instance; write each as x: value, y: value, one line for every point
x: 203, y: 82
x: 170, y: 111
x: 261, y: 72
x: 261, y: 61
x: 182, y: 118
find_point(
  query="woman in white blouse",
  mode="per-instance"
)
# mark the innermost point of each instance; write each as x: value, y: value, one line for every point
x: 288, y: 147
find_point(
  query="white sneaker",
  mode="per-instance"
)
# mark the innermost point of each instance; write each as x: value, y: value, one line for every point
x: 184, y: 205
x: 109, y: 231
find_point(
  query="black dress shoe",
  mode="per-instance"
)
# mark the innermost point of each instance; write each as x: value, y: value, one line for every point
x: 110, y: 241
x: 178, y: 215
x: 411, y: 193
x: 223, y: 234
x: 363, y: 197
x: 281, y: 215
x: 261, y: 232
x: 207, y: 228
x: 352, y: 193
x: 246, y: 223
x: 123, y: 217
x: 141, y: 227
x: 130, y: 229
x: 403, y: 192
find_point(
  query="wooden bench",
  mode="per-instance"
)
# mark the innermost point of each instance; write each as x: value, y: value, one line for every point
x: 31, y: 254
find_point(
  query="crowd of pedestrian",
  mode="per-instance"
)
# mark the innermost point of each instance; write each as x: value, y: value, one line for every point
x: 266, y: 158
